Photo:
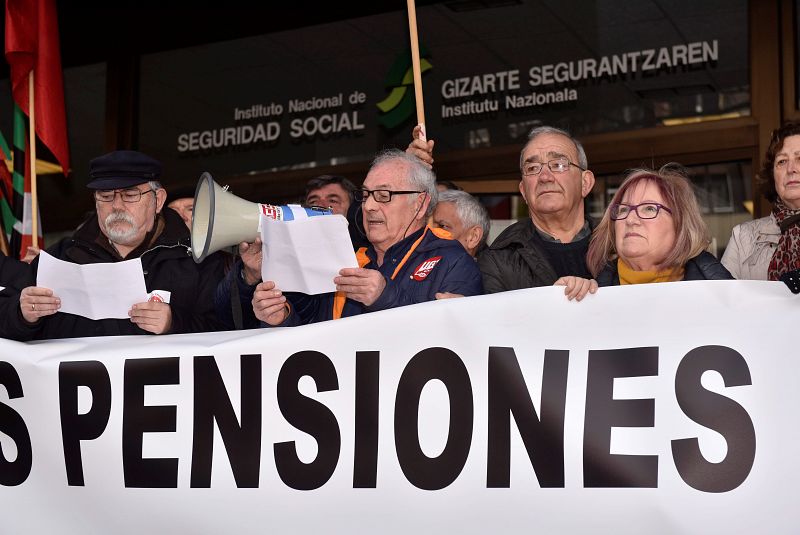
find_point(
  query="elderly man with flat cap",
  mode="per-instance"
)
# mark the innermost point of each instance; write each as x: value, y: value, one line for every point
x: 131, y: 222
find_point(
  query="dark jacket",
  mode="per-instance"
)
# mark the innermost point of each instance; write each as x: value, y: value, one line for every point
x: 168, y: 265
x: 514, y: 261
x: 13, y: 273
x: 702, y: 267
x: 14, y: 276
x: 230, y: 290
x: 451, y: 269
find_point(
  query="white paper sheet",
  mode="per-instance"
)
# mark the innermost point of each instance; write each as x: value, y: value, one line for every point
x: 94, y: 291
x: 305, y: 255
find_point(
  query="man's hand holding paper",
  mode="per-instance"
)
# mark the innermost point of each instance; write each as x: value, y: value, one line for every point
x: 36, y: 302
x: 360, y: 284
x: 95, y: 291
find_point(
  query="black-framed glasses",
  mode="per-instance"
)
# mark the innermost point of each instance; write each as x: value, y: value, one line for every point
x: 380, y: 195
x: 645, y: 210
x: 127, y: 195
x: 557, y: 165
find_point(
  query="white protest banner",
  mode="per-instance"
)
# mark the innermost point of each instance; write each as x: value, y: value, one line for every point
x: 660, y: 408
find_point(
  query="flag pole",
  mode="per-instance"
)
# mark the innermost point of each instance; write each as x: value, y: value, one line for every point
x: 412, y: 28
x: 4, y: 248
x: 32, y: 152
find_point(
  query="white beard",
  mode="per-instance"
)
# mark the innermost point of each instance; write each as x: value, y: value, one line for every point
x: 122, y: 236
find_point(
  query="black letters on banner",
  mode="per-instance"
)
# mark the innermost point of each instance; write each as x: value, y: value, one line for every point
x: 310, y: 416
x: 14, y: 472
x: 543, y: 438
x: 600, y: 467
x: 74, y: 426
x: 138, y: 419
x: 365, y: 452
x: 212, y: 403
x: 716, y: 412
x: 420, y: 470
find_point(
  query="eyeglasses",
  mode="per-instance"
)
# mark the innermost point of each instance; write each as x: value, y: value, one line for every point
x: 380, y: 195
x: 127, y: 195
x: 645, y: 210
x: 558, y: 165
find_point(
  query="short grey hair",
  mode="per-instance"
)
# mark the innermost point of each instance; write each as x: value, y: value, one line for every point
x: 540, y: 130
x: 154, y: 186
x: 420, y: 177
x: 470, y: 211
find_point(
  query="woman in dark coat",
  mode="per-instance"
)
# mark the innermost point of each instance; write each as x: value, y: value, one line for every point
x: 653, y: 232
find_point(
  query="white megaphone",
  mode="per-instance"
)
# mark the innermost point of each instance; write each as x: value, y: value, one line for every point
x: 221, y: 219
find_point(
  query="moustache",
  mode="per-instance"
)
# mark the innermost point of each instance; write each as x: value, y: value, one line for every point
x: 116, y: 216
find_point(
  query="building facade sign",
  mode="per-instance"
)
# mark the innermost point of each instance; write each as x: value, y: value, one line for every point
x: 342, y: 91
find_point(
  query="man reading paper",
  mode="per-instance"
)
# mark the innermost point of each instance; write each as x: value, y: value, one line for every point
x: 406, y: 262
x: 130, y: 222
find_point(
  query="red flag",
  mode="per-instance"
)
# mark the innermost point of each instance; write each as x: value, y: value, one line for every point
x: 32, y: 43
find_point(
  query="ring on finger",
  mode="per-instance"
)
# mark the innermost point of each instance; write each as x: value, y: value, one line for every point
x: 33, y: 306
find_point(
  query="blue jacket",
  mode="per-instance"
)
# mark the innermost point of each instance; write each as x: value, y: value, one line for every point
x: 415, y: 269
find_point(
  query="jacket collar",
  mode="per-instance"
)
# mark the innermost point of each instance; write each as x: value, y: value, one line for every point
x: 169, y: 231
x: 521, y: 234
x: 397, y: 250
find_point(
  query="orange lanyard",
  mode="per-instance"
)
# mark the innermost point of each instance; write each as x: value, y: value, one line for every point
x: 340, y: 298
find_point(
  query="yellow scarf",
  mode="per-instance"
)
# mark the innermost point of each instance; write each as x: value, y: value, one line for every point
x: 628, y: 275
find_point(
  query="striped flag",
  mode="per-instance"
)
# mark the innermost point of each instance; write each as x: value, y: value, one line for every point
x: 21, y: 235
x: 7, y: 218
x: 31, y: 48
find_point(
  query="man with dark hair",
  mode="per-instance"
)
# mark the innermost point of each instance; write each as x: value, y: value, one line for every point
x: 330, y: 191
x: 336, y: 193
x: 129, y: 223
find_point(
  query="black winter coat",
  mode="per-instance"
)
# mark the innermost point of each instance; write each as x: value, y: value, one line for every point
x: 514, y: 261
x: 13, y: 273
x: 167, y: 264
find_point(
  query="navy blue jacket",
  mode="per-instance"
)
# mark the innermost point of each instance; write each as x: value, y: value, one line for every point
x: 436, y: 263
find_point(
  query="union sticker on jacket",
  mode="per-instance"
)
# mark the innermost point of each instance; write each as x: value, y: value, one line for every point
x: 425, y: 268
x: 159, y: 296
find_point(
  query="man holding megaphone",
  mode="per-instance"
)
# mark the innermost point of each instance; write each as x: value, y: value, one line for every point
x: 406, y: 261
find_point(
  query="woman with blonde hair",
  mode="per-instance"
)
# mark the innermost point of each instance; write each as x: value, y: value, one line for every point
x: 653, y: 232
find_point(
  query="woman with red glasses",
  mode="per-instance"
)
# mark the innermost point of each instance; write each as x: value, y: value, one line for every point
x: 653, y: 232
